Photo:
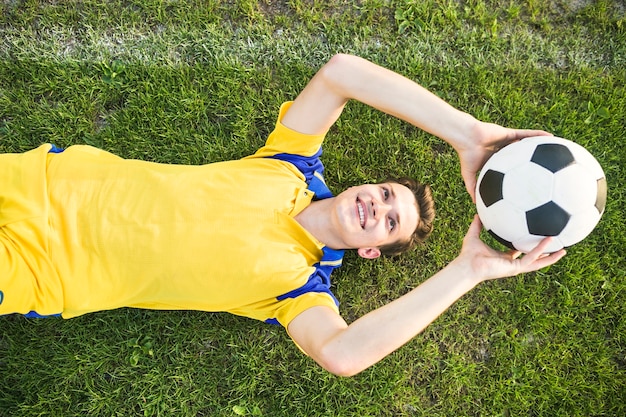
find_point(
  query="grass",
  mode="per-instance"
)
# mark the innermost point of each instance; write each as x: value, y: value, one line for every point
x: 200, y: 81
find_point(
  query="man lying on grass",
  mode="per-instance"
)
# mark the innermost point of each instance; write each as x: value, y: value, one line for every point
x: 82, y: 230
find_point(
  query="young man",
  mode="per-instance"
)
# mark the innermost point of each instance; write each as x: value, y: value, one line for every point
x: 82, y: 230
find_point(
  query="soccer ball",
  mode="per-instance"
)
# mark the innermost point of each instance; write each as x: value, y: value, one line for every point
x: 537, y: 187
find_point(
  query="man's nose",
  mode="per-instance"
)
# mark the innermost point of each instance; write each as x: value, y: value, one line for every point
x: 380, y: 209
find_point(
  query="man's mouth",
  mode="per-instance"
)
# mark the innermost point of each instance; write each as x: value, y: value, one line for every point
x: 361, y: 211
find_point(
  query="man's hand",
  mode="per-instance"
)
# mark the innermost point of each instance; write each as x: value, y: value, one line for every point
x: 485, y: 263
x: 485, y: 140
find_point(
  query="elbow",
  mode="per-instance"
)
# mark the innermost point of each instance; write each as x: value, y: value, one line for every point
x: 337, y: 64
x: 337, y: 71
x: 338, y: 364
x: 339, y: 368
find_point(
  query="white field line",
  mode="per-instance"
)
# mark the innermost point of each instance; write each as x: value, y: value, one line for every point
x: 175, y: 46
x: 166, y: 46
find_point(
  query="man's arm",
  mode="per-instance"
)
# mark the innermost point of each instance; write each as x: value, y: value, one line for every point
x: 347, y: 77
x: 346, y: 350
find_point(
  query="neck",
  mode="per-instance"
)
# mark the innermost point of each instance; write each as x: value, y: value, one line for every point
x: 317, y: 220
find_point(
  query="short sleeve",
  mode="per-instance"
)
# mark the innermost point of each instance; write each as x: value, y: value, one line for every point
x: 289, y: 309
x: 283, y: 140
x: 315, y: 292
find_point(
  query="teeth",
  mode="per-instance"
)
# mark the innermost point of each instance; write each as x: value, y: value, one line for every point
x: 361, y: 214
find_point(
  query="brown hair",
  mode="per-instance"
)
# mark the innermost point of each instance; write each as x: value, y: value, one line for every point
x: 426, y: 212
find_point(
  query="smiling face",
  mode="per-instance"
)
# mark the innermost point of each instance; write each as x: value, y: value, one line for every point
x: 372, y: 215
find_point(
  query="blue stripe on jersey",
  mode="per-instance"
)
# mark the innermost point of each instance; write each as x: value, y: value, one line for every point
x: 308, y: 165
x: 35, y: 315
x: 319, y: 281
x: 312, y: 169
x: 55, y: 149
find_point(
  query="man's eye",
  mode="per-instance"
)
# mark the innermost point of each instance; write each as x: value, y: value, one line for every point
x: 392, y: 224
x: 386, y: 193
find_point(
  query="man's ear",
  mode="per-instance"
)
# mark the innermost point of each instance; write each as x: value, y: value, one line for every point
x: 368, y: 253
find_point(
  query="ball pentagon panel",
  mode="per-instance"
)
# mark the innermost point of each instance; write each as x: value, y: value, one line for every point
x: 552, y: 156
x: 547, y: 220
x: 490, y: 187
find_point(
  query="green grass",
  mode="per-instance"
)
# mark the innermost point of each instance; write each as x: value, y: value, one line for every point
x: 201, y: 81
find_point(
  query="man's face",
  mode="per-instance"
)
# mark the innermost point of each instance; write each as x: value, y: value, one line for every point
x: 372, y: 215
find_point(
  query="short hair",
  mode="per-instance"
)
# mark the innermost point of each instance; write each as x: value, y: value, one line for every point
x: 426, y: 213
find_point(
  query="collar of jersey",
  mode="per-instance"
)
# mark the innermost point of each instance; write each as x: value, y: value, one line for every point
x: 319, y: 187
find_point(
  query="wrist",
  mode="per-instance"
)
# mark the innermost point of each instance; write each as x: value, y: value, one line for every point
x: 464, y: 269
x: 466, y: 134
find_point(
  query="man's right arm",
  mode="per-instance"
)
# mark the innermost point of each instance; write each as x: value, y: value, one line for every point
x: 347, y: 77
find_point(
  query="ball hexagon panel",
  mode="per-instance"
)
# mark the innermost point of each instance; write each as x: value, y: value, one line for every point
x: 584, y: 158
x: 528, y: 243
x: 502, y: 241
x: 527, y: 186
x: 579, y: 226
x: 574, y: 189
x: 506, y: 219
x: 510, y: 156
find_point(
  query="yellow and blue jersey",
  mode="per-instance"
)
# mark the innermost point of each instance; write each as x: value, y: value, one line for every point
x: 84, y: 230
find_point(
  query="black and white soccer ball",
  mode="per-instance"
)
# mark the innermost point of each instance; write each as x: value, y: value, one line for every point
x: 537, y: 187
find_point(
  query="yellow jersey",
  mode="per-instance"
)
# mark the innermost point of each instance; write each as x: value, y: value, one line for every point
x: 84, y: 230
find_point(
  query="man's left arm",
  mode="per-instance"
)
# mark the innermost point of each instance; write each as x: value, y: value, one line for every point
x: 346, y: 350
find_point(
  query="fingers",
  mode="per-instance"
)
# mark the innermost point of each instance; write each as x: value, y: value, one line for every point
x: 540, y: 249
x: 527, y: 133
x: 548, y: 260
x: 475, y: 227
x: 537, y: 258
x: 469, y: 178
x: 514, y: 254
x: 470, y: 186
